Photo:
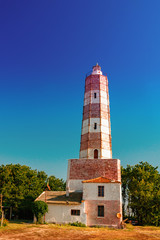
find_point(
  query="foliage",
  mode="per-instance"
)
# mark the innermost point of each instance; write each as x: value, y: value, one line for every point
x: 141, y: 192
x: 77, y: 224
x: 20, y: 186
x: 5, y: 222
x: 39, y: 208
x: 56, y: 184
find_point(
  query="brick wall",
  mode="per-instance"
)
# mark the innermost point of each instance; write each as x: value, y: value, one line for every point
x: 92, y: 168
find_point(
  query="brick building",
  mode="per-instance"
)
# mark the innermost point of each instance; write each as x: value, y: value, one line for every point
x: 93, y: 189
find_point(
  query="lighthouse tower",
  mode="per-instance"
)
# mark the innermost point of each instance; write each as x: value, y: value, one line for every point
x: 96, y: 174
x: 93, y: 187
x: 96, y: 128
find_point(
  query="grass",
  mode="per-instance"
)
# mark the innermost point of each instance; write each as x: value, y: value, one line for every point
x: 26, y: 230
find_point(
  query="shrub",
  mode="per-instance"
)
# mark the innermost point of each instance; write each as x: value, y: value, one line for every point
x: 39, y: 209
x: 77, y: 224
x: 5, y: 222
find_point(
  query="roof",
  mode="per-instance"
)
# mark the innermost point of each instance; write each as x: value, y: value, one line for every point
x: 59, y: 197
x: 100, y: 180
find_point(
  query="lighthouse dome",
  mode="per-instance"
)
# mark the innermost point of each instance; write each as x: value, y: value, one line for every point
x: 96, y: 69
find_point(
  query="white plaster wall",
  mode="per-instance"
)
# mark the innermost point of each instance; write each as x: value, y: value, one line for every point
x: 103, y: 94
x: 89, y: 97
x: 104, y: 101
x: 85, y: 126
x: 105, y: 129
x: 91, y: 127
x: 83, y: 154
x: 112, y: 191
x: 105, y: 137
x: 91, y: 153
x: 106, y: 154
x: 99, y: 72
x: 104, y: 122
x: 94, y: 100
x: 62, y: 213
x: 75, y: 185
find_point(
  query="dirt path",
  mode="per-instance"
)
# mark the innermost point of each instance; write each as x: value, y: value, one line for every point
x: 50, y: 232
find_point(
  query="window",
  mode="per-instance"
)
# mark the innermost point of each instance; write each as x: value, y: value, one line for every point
x: 75, y: 212
x: 95, y: 95
x: 100, y: 191
x: 95, y: 125
x: 95, y: 153
x: 100, y: 211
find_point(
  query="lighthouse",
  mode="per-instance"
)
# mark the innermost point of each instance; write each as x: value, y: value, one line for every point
x: 93, y: 186
x: 96, y: 127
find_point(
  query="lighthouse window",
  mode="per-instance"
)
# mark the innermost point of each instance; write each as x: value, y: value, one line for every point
x: 95, y: 95
x: 100, y: 211
x: 75, y: 212
x: 100, y: 191
x: 95, y: 154
x: 95, y: 125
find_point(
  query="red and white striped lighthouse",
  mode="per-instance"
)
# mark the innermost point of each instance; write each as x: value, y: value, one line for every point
x: 96, y: 127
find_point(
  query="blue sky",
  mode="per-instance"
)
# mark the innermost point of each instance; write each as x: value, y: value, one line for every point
x: 47, y: 47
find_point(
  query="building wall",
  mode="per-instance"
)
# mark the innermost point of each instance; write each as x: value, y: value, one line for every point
x: 62, y: 213
x: 112, y: 191
x: 85, y: 169
x: 111, y: 208
x: 111, y: 201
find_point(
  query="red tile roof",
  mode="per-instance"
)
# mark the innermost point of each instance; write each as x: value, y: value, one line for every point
x: 100, y: 180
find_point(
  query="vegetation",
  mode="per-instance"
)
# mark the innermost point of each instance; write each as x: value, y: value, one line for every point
x: 5, y: 222
x: 77, y: 224
x: 56, y: 184
x: 20, y: 186
x: 141, y: 193
x: 23, y: 231
x: 39, y: 208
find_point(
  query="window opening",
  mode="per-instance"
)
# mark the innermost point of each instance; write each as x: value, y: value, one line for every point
x: 95, y: 95
x: 95, y: 125
x: 100, y: 191
x: 95, y: 153
x: 100, y: 211
x: 75, y: 212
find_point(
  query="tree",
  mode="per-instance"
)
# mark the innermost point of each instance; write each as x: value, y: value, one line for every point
x: 20, y: 186
x: 56, y: 184
x: 39, y: 209
x: 141, y: 192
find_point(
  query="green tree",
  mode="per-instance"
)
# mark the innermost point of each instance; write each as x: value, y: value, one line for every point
x: 56, y: 184
x: 20, y: 186
x: 141, y: 192
x: 39, y: 208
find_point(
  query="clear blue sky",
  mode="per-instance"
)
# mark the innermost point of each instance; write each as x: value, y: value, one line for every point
x: 47, y: 47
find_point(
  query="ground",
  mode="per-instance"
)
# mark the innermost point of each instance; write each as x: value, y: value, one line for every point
x: 28, y: 231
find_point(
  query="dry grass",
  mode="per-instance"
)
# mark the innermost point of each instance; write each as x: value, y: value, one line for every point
x: 26, y: 231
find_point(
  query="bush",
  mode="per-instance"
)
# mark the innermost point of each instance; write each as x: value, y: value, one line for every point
x: 5, y: 222
x: 39, y: 208
x: 77, y: 224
